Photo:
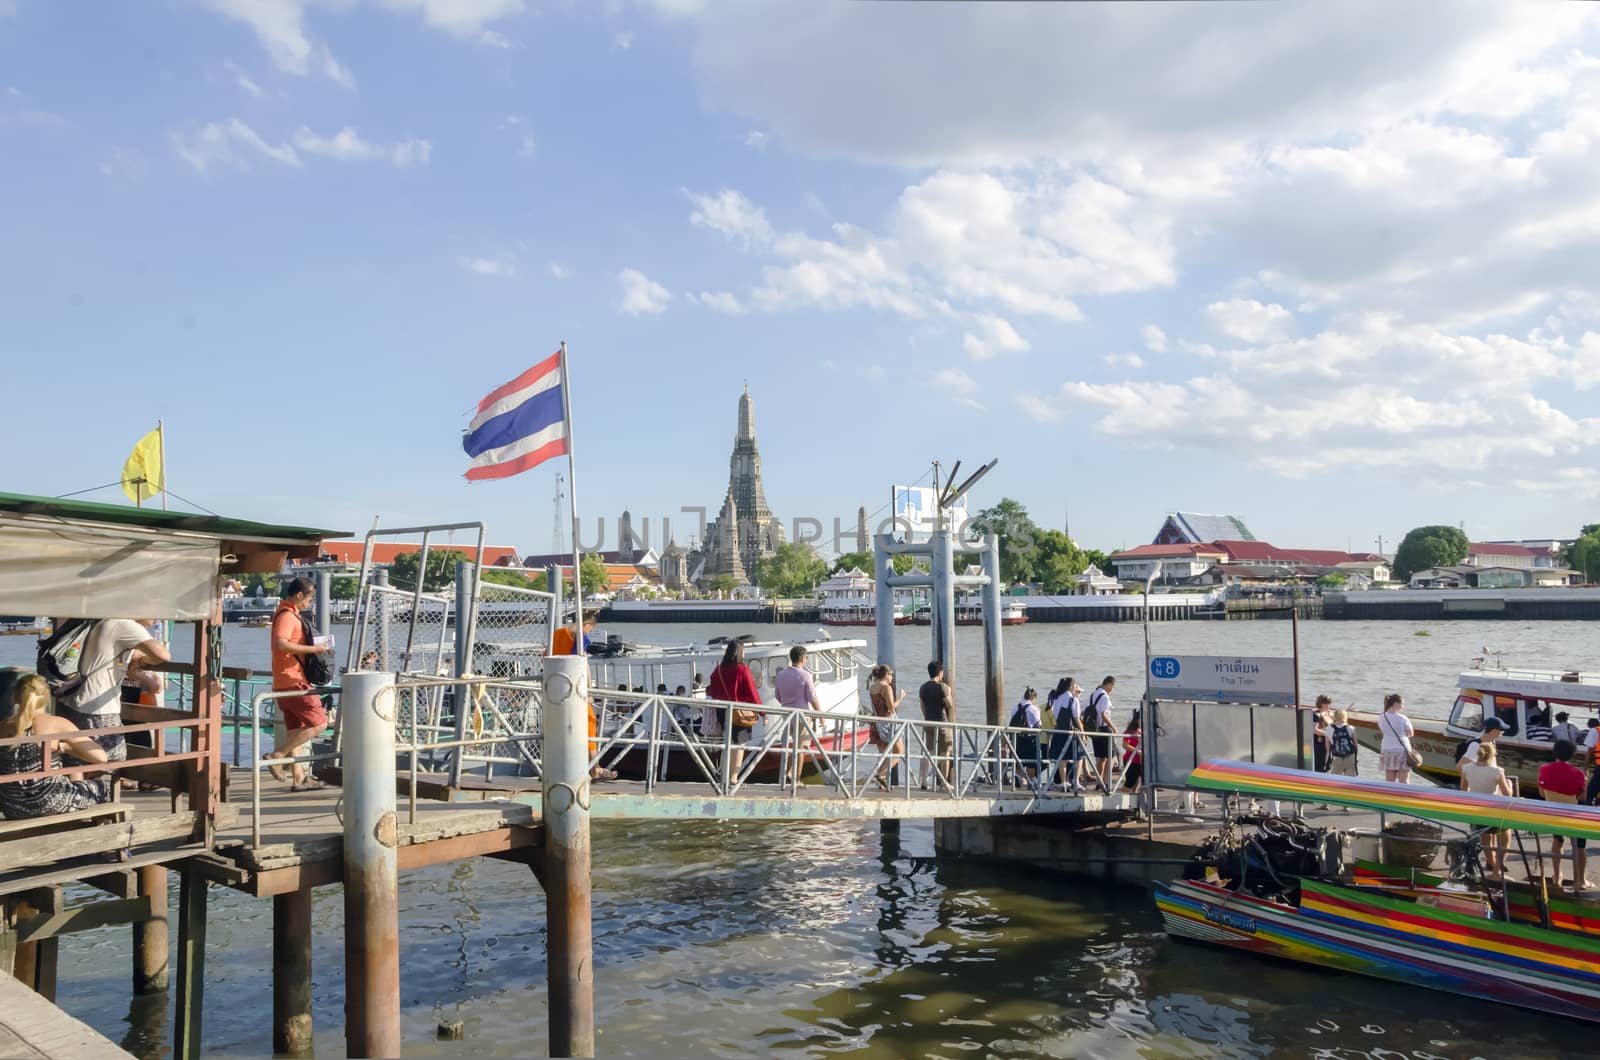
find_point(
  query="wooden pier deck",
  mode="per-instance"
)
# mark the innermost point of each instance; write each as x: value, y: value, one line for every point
x: 33, y: 1028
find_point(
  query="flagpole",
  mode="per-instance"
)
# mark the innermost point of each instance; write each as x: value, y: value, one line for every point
x: 161, y: 440
x: 572, y: 498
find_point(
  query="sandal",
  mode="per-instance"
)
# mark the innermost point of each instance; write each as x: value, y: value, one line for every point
x: 308, y: 784
x: 277, y: 771
x: 603, y: 774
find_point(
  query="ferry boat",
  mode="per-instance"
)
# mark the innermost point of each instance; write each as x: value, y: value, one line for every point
x: 849, y: 598
x: 1515, y: 696
x: 969, y: 612
x: 1287, y: 891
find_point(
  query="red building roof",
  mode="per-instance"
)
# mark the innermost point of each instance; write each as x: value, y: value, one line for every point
x: 1168, y: 552
x: 1264, y: 552
x: 386, y: 552
x: 1489, y: 548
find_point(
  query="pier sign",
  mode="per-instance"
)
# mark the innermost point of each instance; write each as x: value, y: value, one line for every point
x: 1222, y: 678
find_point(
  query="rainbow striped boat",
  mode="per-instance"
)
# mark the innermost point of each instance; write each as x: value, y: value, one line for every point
x: 1399, y: 926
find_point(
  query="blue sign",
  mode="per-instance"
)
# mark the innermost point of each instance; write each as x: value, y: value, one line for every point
x: 1166, y: 668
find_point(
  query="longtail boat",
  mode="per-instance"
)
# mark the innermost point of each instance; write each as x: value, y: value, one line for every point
x: 1462, y: 933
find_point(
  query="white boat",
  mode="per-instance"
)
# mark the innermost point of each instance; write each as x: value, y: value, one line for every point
x: 1517, y: 697
x: 849, y: 598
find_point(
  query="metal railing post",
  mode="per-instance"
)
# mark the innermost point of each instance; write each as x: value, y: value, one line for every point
x: 371, y: 881
x: 994, y: 678
x: 883, y: 566
x: 565, y: 788
x: 463, y: 665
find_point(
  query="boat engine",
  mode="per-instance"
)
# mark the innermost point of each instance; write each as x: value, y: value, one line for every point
x: 1266, y: 855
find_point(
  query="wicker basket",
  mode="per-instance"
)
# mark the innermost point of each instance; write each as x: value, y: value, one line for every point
x: 1412, y: 844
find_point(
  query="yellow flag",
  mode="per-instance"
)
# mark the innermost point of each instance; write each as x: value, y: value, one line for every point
x: 143, y: 477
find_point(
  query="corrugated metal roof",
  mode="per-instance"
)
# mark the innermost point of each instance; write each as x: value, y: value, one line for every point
x: 156, y: 519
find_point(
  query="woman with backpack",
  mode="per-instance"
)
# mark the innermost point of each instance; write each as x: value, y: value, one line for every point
x: 1097, y: 719
x: 1067, y: 739
x: 1026, y: 716
x: 1342, y: 747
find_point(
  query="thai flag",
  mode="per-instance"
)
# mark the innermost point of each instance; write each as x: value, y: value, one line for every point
x: 519, y: 425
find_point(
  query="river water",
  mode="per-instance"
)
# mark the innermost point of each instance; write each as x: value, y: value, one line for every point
x: 820, y: 938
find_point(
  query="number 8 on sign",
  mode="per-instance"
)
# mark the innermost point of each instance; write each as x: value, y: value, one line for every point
x: 1164, y: 668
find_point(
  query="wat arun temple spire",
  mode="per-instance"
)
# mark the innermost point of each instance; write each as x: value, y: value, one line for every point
x: 744, y: 530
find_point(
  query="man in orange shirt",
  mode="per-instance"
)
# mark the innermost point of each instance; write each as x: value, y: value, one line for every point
x: 303, y: 716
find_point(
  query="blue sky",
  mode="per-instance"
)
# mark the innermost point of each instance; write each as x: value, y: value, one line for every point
x: 1326, y: 269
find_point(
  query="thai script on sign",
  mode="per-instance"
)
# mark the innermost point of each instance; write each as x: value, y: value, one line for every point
x: 1238, y: 666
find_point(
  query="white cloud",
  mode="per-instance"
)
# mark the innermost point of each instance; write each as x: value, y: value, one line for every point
x: 962, y: 387
x: 640, y: 294
x: 719, y: 301
x: 992, y: 335
x: 228, y: 144
x: 235, y: 144
x: 243, y: 79
x: 280, y: 26
x: 1124, y: 360
x: 489, y: 266
x: 622, y: 41
x: 557, y: 270
x: 756, y: 139
x: 1155, y: 340
x: 733, y: 215
x: 1247, y: 320
x: 346, y: 145
x: 122, y: 163
x: 528, y: 147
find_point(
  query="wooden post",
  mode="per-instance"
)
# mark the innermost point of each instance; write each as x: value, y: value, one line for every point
x: 291, y: 973
x: 205, y: 782
x: 191, y: 965
x: 47, y: 954
x: 150, y: 936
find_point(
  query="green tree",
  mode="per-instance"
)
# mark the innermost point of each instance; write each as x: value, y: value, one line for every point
x: 854, y: 561
x: 595, y: 574
x: 1059, y: 561
x: 1584, y: 553
x: 863, y: 561
x: 264, y: 584
x: 792, y: 570
x: 1332, y: 580
x: 1093, y: 557
x: 440, y: 573
x: 1019, y: 552
x: 515, y: 578
x: 1429, y: 546
x: 722, y: 583
x: 342, y: 588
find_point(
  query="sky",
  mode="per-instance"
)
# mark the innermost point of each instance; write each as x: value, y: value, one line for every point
x: 1332, y: 268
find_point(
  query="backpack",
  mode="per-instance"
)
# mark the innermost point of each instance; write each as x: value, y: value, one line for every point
x: 1092, y: 721
x: 1019, y: 720
x: 1343, y: 744
x: 318, y: 668
x: 1461, y: 751
x: 57, y: 661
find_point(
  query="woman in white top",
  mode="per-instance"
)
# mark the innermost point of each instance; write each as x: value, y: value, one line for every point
x: 1485, y: 777
x: 1396, y: 755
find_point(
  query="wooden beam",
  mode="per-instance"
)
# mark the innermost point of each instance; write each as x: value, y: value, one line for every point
x: 411, y: 856
x: 86, y: 918
x: 35, y: 851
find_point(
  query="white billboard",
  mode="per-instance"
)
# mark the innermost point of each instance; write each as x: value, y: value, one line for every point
x: 915, y: 509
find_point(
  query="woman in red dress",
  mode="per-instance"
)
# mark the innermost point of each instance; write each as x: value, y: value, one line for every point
x: 732, y: 682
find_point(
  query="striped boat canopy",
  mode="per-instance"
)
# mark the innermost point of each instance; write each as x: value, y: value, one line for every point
x: 1437, y: 804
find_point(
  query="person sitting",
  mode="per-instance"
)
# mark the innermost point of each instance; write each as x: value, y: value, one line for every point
x: 24, y: 711
x: 1561, y: 781
x: 1539, y: 727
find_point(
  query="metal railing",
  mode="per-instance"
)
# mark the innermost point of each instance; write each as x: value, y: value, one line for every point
x: 655, y: 740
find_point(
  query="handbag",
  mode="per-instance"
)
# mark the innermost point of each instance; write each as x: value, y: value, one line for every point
x: 746, y: 719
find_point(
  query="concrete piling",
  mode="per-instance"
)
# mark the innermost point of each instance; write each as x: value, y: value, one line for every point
x: 994, y: 680
x: 371, y: 881
x: 569, y: 925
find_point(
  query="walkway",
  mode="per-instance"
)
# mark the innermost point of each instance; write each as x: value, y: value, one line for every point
x: 34, y: 1028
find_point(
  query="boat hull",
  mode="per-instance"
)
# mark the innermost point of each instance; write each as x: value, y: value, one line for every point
x: 1348, y: 929
x: 680, y: 765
